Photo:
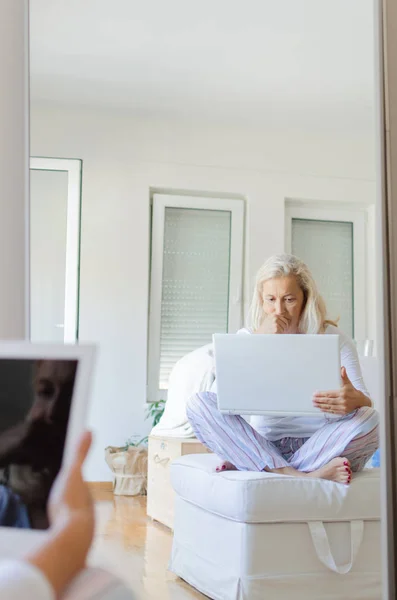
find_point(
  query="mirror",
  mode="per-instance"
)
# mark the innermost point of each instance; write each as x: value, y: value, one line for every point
x: 212, y: 135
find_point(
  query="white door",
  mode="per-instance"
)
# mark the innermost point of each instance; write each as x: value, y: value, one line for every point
x: 54, y: 249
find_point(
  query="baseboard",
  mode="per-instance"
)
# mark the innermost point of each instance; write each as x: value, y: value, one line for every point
x: 103, y: 486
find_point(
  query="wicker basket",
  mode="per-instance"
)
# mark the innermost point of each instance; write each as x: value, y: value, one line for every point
x: 129, y: 467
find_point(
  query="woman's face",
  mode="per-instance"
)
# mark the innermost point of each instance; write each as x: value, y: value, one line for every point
x: 283, y: 296
x: 53, y: 388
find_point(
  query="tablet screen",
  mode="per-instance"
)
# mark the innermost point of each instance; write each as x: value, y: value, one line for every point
x: 35, y: 402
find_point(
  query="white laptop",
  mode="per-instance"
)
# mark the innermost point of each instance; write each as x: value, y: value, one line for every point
x: 44, y: 394
x: 274, y: 374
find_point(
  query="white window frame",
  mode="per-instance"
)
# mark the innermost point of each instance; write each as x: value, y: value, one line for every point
x: 358, y: 215
x: 235, y: 317
x: 73, y: 167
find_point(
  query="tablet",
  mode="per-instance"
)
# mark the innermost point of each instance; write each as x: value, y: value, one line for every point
x: 44, y: 393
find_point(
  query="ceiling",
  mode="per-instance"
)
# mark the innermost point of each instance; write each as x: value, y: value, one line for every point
x: 304, y: 63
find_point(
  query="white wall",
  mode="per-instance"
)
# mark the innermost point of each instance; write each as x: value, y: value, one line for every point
x: 123, y: 159
x: 14, y: 168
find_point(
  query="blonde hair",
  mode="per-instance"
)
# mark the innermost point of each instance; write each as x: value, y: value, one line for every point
x: 314, y: 313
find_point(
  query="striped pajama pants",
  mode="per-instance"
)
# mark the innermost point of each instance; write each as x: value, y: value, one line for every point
x: 233, y: 439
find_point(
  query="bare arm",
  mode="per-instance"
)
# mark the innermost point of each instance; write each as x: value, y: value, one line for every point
x: 62, y: 556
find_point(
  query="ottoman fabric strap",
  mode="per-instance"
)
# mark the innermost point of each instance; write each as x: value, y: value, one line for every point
x: 323, y: 550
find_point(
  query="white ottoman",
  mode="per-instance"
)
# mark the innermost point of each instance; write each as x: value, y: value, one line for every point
x: 255, y: 536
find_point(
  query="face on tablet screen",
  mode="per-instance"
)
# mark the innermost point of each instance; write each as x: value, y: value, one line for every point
x: 35, y: 402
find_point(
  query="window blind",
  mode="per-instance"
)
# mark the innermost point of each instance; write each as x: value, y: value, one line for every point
x: 327, y: 248
x: 195, y: 282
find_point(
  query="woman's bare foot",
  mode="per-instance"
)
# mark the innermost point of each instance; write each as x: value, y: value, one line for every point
x: 338, y: 469
x: 225, y: 466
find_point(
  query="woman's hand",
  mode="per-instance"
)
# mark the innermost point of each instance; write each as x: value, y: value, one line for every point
x: 70, y: 498
x: 71, y: 510
x: 275, y: 324
x: 343, y: 401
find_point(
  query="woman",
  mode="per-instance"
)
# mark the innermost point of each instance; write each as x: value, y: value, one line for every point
x: 286, y: 300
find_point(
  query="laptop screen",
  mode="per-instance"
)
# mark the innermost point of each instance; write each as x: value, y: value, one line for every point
x: 35, y: 402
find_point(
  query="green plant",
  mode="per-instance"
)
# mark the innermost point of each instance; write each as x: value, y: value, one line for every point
x: 154, y: 411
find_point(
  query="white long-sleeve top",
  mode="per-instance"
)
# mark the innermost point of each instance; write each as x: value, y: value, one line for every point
x: 20, y: 580
x: 276, y: 428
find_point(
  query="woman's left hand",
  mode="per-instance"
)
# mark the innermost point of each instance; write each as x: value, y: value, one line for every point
x: 339, y: 402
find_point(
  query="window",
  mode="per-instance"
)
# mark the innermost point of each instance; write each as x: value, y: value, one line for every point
x: 196, y: 279
x: 332, y: 242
